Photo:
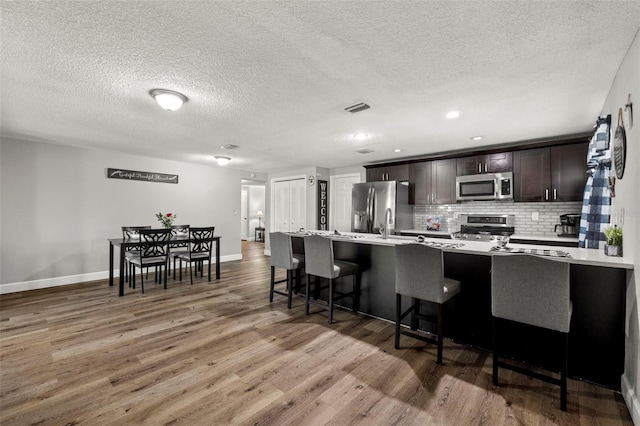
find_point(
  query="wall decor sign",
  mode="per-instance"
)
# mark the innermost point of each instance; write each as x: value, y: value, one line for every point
x: 137, y: 175
x: 323, y: 205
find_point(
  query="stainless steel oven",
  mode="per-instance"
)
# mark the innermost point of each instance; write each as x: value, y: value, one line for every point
x: 488, y: 186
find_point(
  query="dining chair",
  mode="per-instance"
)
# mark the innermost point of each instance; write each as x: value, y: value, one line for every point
x: 531, y: 290
x: 282, y: 256
x: 198, y: 250
x: 321, y: 263
x: 178, y: 232
x: 420, y: 276
x: 154, y: 251
x: 131, y: 233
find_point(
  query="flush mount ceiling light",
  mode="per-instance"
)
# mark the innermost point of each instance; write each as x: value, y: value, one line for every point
x: 168, y: 99
x: 453, y: 114
x: 397, y: 150
x: 222, y: 161
x: 476, y: 138
x: 360, y: 136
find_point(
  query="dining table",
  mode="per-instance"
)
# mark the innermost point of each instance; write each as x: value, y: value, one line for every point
x: 124, y: 243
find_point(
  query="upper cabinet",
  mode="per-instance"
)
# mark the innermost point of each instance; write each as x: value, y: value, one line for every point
x: 398, y: 172
x: 488, y: 163
x: 432, y: 182
x: 557, y: 173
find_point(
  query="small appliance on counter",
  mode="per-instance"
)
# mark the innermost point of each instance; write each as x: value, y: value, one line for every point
x: 569, y: 225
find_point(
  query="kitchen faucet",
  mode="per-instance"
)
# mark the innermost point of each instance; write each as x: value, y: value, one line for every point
x: 384, y: 229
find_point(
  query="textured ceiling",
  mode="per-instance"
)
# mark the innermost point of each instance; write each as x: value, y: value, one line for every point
x: 274, y: 77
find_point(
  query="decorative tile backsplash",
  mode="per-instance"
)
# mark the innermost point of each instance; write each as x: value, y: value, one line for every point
x: 548, y: 214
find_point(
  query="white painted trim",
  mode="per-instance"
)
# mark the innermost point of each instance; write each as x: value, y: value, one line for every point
x: 630, y: 397
x: 76, y: 279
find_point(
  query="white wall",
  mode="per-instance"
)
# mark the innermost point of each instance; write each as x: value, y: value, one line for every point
x: 58, y: 208
x: 627, y: 197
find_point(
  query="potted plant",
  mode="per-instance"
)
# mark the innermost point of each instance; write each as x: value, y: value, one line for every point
x: 613, y: 246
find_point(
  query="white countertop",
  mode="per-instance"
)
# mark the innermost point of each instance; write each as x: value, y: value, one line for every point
x: 553, y: 238
x: 580, y: 256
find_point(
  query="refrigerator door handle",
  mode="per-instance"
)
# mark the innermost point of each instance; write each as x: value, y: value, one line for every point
x: 370, y: 207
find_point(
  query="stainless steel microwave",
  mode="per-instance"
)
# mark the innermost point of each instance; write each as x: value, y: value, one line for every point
x: 488, y: 186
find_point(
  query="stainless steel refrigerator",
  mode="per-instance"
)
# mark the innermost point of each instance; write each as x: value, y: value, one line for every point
x: 380, y: 204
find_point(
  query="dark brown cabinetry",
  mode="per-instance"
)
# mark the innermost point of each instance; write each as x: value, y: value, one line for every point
x: 557, y: 173
x: 398, y: 172
x: 489, y: 163
x: 432, y: 182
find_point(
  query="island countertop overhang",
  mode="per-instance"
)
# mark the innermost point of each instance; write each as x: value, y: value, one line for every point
x: 580, y: 256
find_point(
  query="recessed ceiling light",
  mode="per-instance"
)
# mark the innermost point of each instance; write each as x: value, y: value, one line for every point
x: 168, y: 99
x: 360, y: 136
x: 476, y: 138
x: 229, y: 146
x: 397, y: 150
x: 453, y: 114
x: 222, y: 161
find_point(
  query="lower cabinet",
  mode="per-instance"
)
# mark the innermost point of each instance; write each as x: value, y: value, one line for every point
x: 432, y: 182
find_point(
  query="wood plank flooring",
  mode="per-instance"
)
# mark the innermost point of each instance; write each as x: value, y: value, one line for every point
x: 218, y: 353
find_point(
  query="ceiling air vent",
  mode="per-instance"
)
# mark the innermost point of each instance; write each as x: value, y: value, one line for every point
x: 357, y: 107
x: 364, y: 151
x: 229, y: 146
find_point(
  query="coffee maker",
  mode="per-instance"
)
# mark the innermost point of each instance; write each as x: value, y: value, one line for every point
x: 569, y: 225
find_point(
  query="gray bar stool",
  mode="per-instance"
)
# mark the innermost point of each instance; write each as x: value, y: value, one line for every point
x: 282, y: 256
x: 420, y: 275
x: 535, y: 291
x: 321, y: 263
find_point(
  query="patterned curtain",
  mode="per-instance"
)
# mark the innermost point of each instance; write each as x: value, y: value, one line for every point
x: 596, y: 203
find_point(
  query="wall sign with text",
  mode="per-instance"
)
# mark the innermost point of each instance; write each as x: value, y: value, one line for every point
x: 323, y: 205
x: 137, y: 175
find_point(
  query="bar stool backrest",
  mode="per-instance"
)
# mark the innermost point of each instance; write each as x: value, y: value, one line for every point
x: 281, y: 250
x: 318, y: 254
x: 420, y: 272
x: 531, y: 290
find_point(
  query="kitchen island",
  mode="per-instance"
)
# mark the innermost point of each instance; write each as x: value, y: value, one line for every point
x: 598, y: 285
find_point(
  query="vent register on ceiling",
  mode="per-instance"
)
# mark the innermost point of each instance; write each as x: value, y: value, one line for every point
x: 596, y: 204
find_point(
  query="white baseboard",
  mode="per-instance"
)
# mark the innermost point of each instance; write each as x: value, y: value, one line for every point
x: 630, y: 397
x: 75, y: 279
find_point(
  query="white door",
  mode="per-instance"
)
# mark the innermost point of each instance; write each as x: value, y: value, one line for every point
x: 298, y: 197
x: 244, y: 224
x: 340, y: 206
x: 281, y: 206
x: 289, y: 205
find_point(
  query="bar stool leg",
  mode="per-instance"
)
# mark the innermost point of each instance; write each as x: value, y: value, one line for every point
x: 331, y: 284
x: 289, y: 287
x: 398, y: 314
x: 440, y: 337
x: 273, y: 280
x: 495, y: 352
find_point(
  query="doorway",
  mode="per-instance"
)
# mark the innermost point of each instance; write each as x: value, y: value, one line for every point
x: 252, y: 206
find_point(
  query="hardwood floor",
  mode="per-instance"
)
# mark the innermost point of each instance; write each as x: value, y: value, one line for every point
x: 218, y: 353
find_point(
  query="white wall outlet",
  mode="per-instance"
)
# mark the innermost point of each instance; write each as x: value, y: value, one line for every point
x: 535, y: 216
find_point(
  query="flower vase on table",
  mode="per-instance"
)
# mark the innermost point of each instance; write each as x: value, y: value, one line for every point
x: 166, y: 219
